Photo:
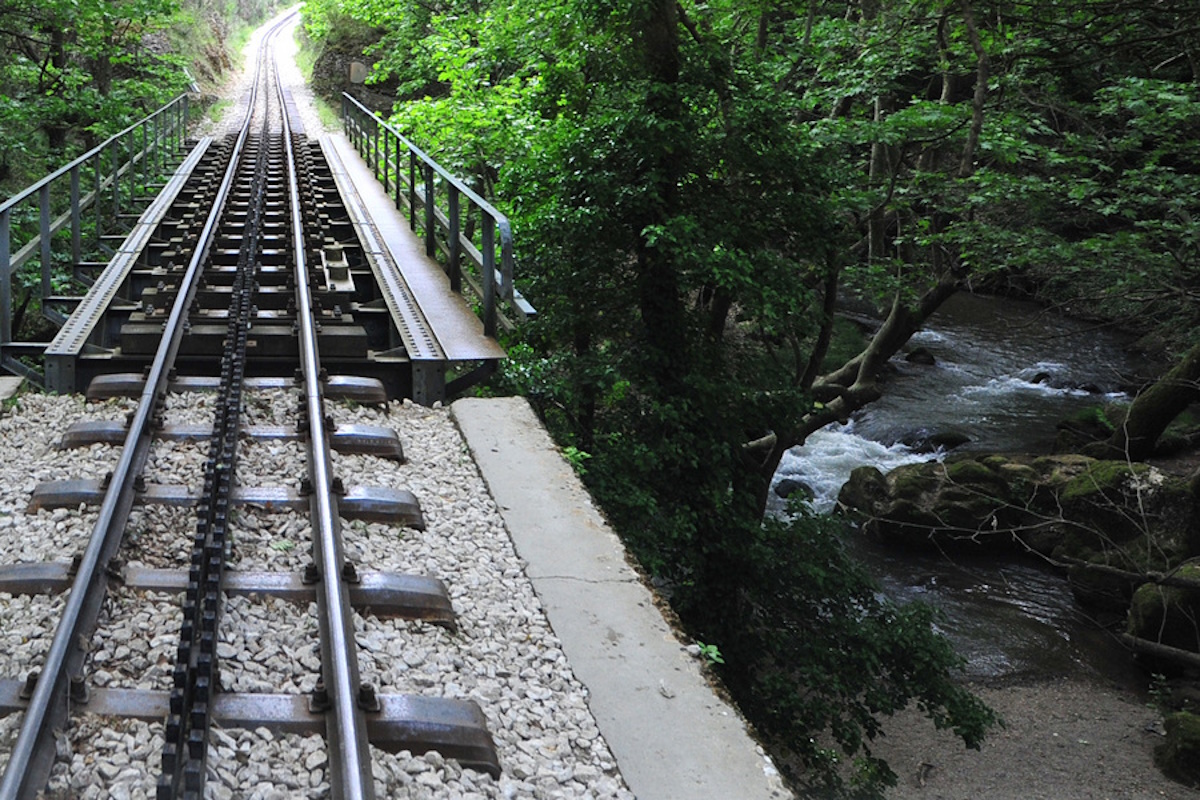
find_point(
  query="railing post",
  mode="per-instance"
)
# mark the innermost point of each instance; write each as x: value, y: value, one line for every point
x: 375, y: 151
x: 145, y: 157
x: 455, y: 244
x: 386, y: 163
x: 131, y: 151
x: 5, y: 276
x: 76, y: 233
x: 412, y: 190
x: 44, y: 228
x: 506, y: 264
x: 430, y: 215
x: 116, y: 183
x: 399, y: 192
x: 157, y: 149
x: 97, y: 205
x: 489, y: 275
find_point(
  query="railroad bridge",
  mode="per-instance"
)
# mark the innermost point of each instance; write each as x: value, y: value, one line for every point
x: 275, y: 272
x: 394, y: 302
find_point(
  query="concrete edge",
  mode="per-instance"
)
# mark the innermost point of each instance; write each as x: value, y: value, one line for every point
x: 10, y: 385
x: 672, y: 736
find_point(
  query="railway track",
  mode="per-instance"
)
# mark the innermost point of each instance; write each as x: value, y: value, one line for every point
x: 249, y: 288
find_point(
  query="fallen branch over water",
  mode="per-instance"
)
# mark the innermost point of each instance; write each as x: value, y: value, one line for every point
x: 1164, y: 651
x: 1161, y: 578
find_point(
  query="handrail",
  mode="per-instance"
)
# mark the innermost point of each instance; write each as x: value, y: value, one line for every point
x: 364, y: 128
x: 157, y: 132
x: 95, y: 151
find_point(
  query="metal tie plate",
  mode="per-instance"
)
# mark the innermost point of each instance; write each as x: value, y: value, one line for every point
x: 367, y: 503
x: 386, y: 594
x: 455, y: 728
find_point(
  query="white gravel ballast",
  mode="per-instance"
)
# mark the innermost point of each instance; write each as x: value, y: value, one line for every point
x: 504, y: 655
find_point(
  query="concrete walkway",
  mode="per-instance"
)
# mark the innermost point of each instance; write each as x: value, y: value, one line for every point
x: 673, y: 738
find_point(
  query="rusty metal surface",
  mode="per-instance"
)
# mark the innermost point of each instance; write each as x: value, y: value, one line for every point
x: 369, y: 503
x: 455, y: 728
x: 367, y: 440
x: 364, y: 390
x: 367, y: 391
x: 348, y: 438
x: 71, y: 339
x: 386, y: 594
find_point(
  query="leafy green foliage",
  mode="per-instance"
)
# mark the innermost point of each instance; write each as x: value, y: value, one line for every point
x: 694, y: 188
x: 78, y: 69
x: 818, y: 622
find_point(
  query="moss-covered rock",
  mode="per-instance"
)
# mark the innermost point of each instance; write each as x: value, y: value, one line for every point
x: 967, y: 501
x: 866, y: 491
x: 1179, y: 755
x: 1169, y: 615
x: 1089, y: 425
x: 1133, y: 517
x: 1101, y: 591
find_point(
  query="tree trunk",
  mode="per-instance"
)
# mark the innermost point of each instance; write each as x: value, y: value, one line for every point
x: 659, y: 299
x: 1154, y: 409
x: 879, y: 173
x: 982, y: 74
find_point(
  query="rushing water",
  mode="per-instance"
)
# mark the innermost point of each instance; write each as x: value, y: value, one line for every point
x: 1005, y: 373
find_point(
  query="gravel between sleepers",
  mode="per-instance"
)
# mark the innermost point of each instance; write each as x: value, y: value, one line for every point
x: 504, y: 655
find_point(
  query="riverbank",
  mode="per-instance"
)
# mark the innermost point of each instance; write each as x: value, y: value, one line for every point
x: 1064, y: 739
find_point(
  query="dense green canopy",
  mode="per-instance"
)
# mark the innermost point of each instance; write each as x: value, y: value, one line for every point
x: 696, y: 187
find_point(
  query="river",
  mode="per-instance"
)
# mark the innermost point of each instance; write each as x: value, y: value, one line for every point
x: 1005, y: 372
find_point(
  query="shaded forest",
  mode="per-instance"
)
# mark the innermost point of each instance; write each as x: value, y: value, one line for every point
x: 697, y: 188
x: 74, y: 73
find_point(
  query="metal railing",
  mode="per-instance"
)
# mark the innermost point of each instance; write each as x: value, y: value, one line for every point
x: 435, y: 202
x: 114, y: 173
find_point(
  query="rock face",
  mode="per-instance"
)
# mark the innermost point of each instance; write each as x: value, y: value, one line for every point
x: 1110, y: 520
x: 343, y: 55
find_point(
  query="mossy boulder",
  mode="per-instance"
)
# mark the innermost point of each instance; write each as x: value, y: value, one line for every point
x: 1069, y: 506
x: 1179, y: 754
x: 966, y: 501
x: 1168, y: 614
x: 1085, y: 427
x: 1099, y: 590
x: 1135, y: 508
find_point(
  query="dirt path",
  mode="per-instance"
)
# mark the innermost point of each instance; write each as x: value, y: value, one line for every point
x: 1063, y: 740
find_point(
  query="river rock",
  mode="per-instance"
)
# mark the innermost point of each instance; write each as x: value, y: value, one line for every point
x: 1056, y: 505
x: 791, y: 486
x: 920, y: 355
x: 1179, y: 754
x: 1084, y: 428
x: 923, y: 441
x: 1167, y: 614
x: 970, y: 501
x: 1107, y: 520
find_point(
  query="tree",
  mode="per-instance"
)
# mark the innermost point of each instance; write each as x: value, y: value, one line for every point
x: 697, y: 185
x: 679, y: 232
x: 78, y: 67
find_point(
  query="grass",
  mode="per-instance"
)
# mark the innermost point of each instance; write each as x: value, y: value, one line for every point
x: 307, y: 53
x: 217, y: 110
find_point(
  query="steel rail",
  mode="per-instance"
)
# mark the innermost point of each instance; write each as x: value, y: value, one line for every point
x: 185, y: 752
x: 349, y: 754
x: 33, y: 753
